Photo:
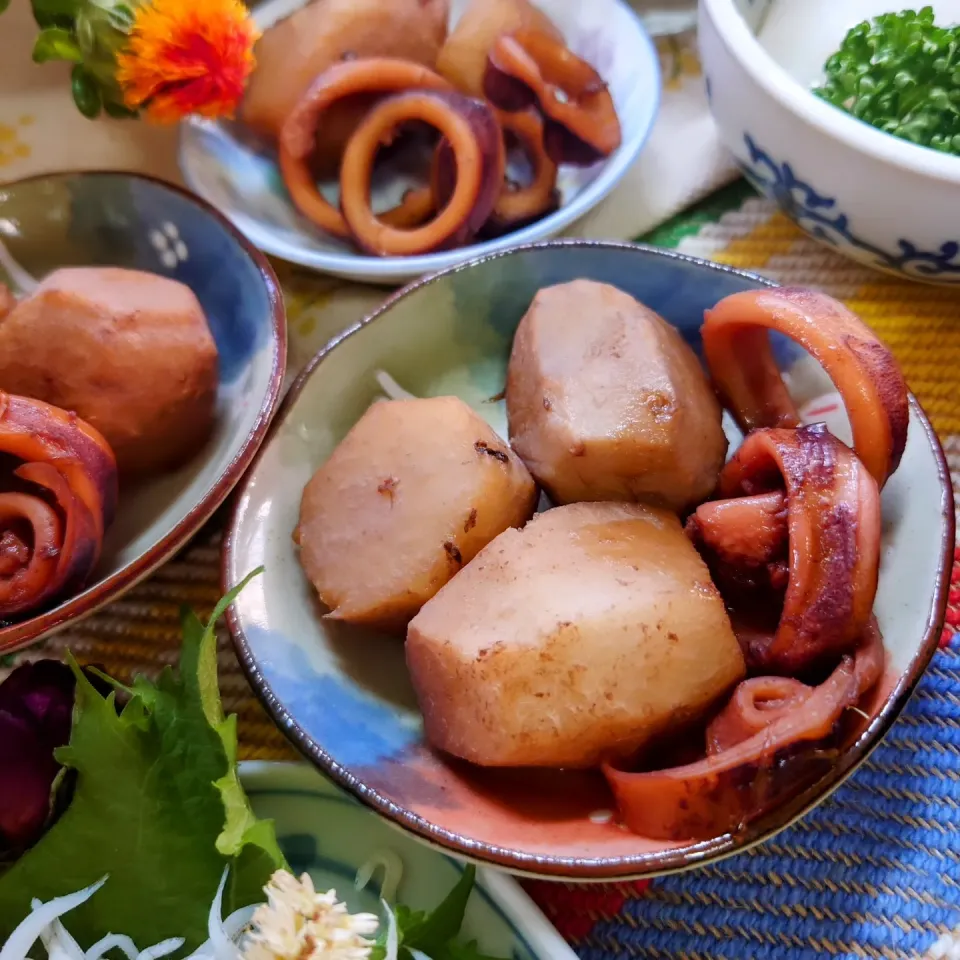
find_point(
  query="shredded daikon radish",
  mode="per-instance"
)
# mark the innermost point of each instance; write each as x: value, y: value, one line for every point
x: 238, y: 921
x: 43, y: 923
x: 57, y: 942
x: 223, y: 934
x: 392, y: 872
x: 226, y: 937
x: 391, y: 388
x: 161, y: 949
x: 37, y: 921
x: 392, y: 944
x: 113, y: 941
x: 223, y: 947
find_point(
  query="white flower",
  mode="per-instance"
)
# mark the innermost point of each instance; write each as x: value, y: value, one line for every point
x: 297, y: 923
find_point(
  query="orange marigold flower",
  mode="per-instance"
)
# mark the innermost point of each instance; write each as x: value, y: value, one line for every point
x: 187, y: 57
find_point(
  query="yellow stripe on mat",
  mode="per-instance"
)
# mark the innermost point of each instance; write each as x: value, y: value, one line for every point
x: 754, y: 251
x: 921, y: 324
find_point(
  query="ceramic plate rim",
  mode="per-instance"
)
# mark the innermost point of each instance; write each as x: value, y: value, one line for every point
x: 610, y: 867
x: 516, y: 906
x: 32, y: 630
x: 391, y: 269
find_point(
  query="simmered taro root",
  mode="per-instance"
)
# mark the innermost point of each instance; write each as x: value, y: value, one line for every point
x: 129, y: 352
x: 409, y: 496
x: 463, y: 58
x: 296, y: 50
x: 574, y: 640
x: 607, y: 402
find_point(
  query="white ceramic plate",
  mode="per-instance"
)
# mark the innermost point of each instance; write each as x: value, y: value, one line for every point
x: 241, y: 179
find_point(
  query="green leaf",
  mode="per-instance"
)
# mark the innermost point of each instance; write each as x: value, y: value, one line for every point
x: 118, y: 111
x: 157, y: 789
x: 52, y: 13
x: 432, y: 931
x: 4, y: 4
x: 56, y: 43
x: 898, y: 72
x: 86, y: 93
x: 121, y: 16
x: 466, y: 951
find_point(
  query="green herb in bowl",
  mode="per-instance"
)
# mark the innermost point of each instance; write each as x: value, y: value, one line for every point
x: 900, y: 73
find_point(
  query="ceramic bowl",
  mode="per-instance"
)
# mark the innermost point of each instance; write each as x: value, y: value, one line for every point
x: 873, y: 197
x: 240, y: 177
x: 326, y: 833
x: 120, y: 219
x: 343, y: 695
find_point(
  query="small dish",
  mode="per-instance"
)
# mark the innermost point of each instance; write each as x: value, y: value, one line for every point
x: 343, y: 695
x: 121, y: 219
x: 873, y: 197
x: 326, y: 833
x: 241, y: 178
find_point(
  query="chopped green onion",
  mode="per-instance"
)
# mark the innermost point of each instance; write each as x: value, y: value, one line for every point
x: 900, y: 73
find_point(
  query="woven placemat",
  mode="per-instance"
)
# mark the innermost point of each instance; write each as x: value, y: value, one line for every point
x: 871, y: 872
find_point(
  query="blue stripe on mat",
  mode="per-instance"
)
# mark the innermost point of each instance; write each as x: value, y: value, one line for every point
x: 869, y: 873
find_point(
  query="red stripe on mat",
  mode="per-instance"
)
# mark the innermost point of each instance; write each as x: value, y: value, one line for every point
x: 574, y: 909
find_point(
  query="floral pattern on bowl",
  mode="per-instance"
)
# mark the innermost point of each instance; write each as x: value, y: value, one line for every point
x: 820, y: 216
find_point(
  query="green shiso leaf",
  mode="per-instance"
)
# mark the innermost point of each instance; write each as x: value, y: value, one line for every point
x: 434, y: 933
x: 900, y: 73
x: 158, y: 807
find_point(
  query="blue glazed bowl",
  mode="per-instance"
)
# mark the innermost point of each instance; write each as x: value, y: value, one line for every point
x: 877, y: 199
x: 342, y: 694
x: 120, y: 219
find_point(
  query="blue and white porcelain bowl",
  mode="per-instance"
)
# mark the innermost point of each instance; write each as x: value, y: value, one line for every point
x: 240, y: 176
x: 875, y: 198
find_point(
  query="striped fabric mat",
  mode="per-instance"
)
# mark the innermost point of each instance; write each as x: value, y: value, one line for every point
x: 874, y: 871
